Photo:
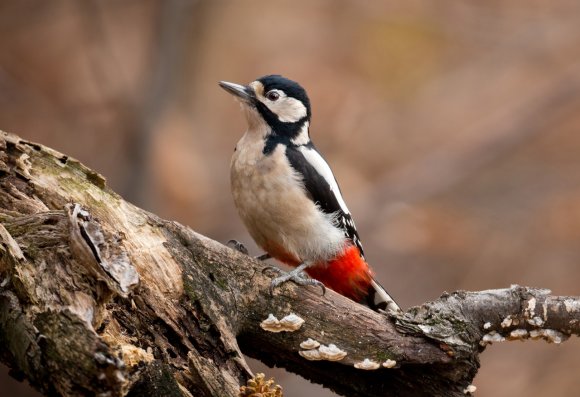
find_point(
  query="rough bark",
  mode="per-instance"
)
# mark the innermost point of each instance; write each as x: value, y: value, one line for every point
x: 98, y: 297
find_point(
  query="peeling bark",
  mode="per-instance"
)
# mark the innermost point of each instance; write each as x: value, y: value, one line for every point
x: 98, y: 297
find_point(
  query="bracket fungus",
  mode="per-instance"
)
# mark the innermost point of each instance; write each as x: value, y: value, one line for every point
x: 309, y: 344
x: 518, y: 334
x: 389, y: 363
x: 491, y: 337
x: 331, y: 352
x: 312, y: 355
x: 549, y: 335
x: 328, y: 353
x: 367, y: 364
x: 289, y: 323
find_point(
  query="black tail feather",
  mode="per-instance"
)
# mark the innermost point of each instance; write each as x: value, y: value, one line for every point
x: 378, y: 298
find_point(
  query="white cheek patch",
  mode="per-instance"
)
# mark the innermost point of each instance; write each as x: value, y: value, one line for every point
x: 288, y: 109
x: 322, y: 167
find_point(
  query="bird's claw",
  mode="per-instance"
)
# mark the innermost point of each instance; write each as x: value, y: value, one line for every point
x: 272, y: 269
x: 235, y: 244
x: 240, y: 247
x: 297, y: 276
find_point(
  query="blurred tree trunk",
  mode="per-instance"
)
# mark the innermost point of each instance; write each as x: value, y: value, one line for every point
x: 98, y: 297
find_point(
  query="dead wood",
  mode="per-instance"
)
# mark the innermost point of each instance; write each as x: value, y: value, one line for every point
x: 98, y: 297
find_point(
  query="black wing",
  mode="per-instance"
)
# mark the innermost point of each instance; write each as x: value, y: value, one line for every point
x: 319, y: 191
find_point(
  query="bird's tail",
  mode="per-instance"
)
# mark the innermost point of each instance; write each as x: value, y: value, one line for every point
x: 378, y: 298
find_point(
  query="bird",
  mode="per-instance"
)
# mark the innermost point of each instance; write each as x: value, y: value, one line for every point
x: 289, y: 199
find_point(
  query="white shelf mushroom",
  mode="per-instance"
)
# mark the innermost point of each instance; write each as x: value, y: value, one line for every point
x: 331, y: 352
x: 389, y: 363
x: 367, y: 364
x: 309, y: 344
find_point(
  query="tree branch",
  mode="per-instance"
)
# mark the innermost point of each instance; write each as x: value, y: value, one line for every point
x: 100, y: 297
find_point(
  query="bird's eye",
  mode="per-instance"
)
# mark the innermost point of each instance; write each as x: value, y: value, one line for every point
x: 272, y: 95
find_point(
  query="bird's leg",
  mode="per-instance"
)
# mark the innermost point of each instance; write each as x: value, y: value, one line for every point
x: 240, y: 247
x: 297, y: 275
x: 263, y: 257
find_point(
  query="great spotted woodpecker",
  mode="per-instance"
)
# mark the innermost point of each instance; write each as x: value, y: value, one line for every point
x: 288, y: 197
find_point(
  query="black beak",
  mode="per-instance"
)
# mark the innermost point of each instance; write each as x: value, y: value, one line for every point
x: 243, y: 92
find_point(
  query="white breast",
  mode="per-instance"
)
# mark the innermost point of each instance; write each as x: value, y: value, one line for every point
x: 273, y: 205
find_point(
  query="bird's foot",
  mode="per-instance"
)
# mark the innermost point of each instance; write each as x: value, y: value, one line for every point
x: 240, y: 247
x: 235, y: 244
x: 297, y: 275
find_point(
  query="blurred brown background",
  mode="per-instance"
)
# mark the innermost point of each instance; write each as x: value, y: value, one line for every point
x: 452, y: 126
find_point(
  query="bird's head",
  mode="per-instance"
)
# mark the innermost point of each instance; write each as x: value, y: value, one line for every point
x: 275, y: 100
